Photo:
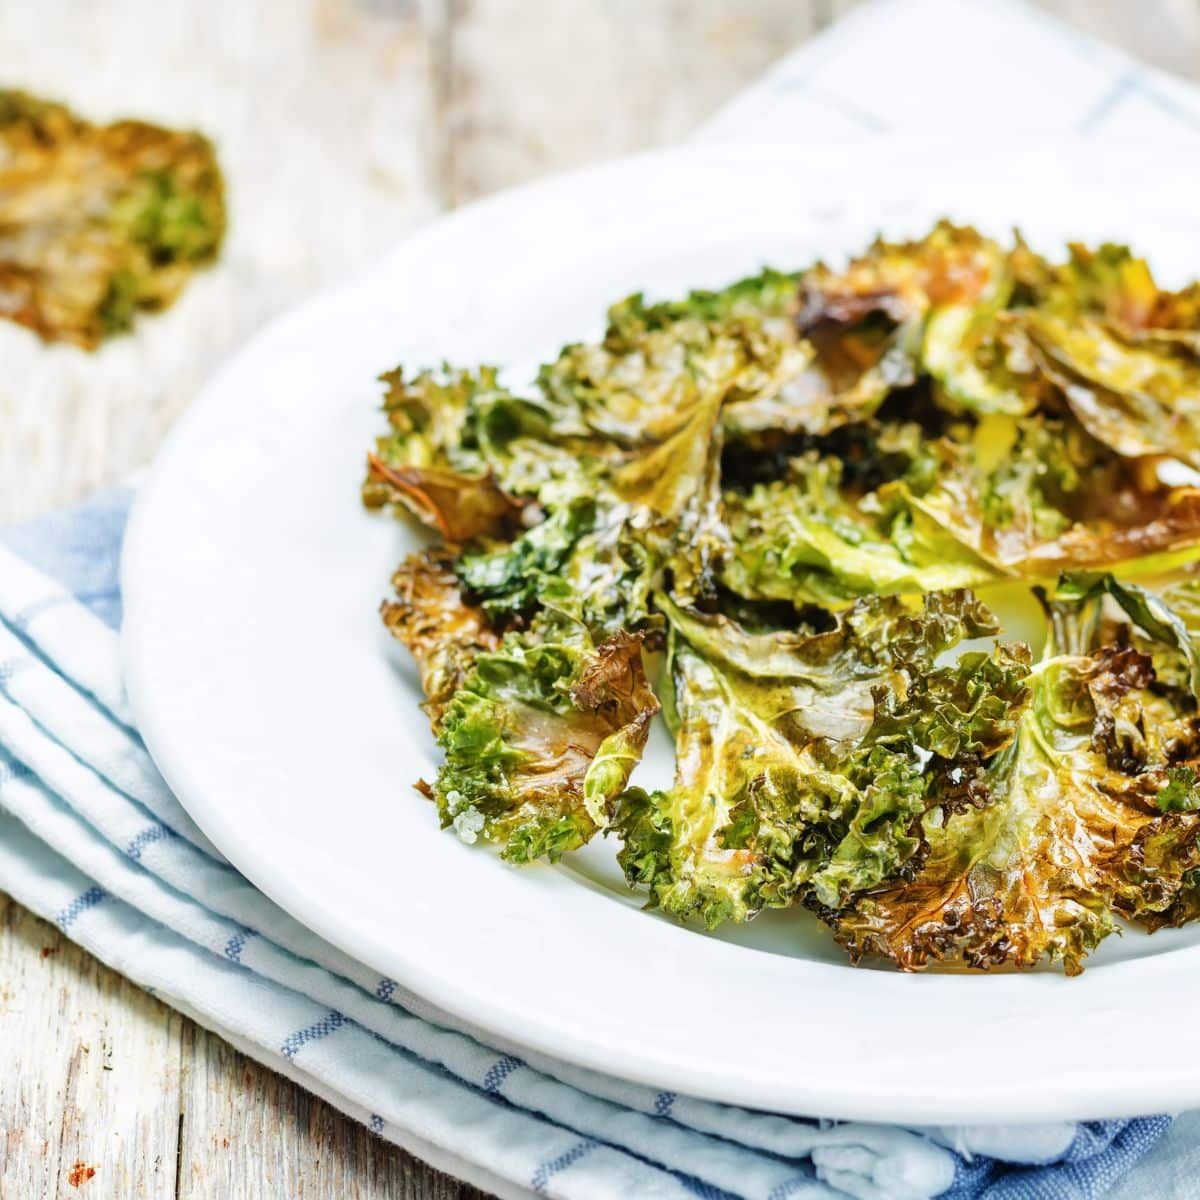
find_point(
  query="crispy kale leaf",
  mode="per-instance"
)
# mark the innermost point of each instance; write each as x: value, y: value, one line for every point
x: 460, y: 452
x: 433, y: 619
x: 809, y: 539
x: 540, y: 738
x: 631, y: 386
x: 98, y: 222
x: 807, y: 759
x: 1037, y: 495
x: 884, y: 317
x: 1141, y: 398
x: 1013, y: 497
x: 1092, y: 809
x: 1094, y: 335
x: 541, y: 729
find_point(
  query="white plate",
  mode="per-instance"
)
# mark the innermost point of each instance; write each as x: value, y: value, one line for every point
x: 286, y: 720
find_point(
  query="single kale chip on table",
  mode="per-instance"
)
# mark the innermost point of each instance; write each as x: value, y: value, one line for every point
x: 785, y: 514
x: 98, y: 222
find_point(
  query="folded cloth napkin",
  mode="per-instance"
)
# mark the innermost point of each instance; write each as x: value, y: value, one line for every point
x: 92, y: 839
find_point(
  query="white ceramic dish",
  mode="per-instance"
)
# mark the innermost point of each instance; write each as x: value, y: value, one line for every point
x: 285, y: 719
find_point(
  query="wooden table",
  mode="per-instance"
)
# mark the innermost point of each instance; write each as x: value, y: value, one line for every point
x: 341, y: 124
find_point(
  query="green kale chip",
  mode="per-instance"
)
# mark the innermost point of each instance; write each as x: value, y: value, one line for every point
x: 99, y: 222
x: 1092, y: 806
x: 807, y: 760
x: 540, y: 738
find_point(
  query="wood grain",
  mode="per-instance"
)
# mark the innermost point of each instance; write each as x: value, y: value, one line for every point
x: 341, y: 124
x: 539, y: 87
x: 107, y: 1094
x: 89, y: 1082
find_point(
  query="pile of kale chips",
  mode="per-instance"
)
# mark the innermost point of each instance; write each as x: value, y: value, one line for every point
x: 790, y: 487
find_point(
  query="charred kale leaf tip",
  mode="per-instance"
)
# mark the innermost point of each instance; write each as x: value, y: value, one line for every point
x: 783, y: 497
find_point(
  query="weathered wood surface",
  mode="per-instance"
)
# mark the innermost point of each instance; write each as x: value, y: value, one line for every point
x: 341, y: 124
x: 90, y: 1078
